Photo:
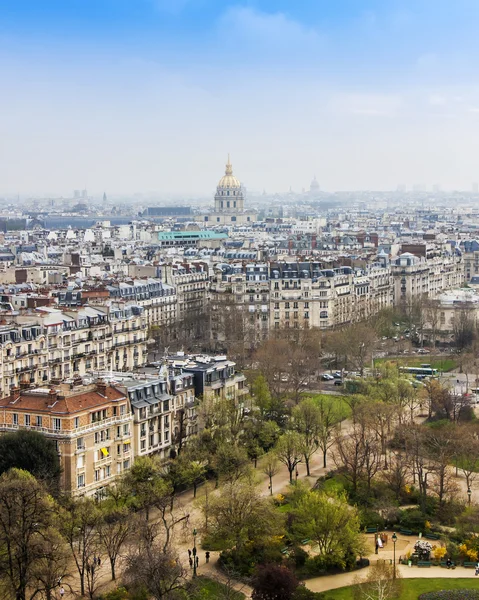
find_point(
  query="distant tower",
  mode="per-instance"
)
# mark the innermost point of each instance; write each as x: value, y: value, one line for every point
x: 104, y: 197
x: 229, y: 195
x: 314, y: 187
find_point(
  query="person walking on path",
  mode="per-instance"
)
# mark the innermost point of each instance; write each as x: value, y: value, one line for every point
x: 191, y: 563
x: 62, y: 592
x: 207, y: 556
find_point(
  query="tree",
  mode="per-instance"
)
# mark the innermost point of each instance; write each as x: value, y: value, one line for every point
x: 149, y: 569
x: 466, y: 453
x: 144, y: 483
x: 274, y: 582
x: 433, y: 318
x: 329, y: 418
x: 231, y: 462
x: 114, y: 528
x: 33, y: 452
x: 261, y: 396
x: 52, y: 567
x: 360, y: 340
x: 381, y: 583
x: 289, y: 451
x: 306, y: 418
x: 270, y: 468
x: 80, y: 528
x: 26, y: 533
x: 464, y: 326
x: 237, y: 514
x: 332, y: 523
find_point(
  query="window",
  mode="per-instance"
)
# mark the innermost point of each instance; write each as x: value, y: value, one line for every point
x: 76, y: 422
x: 126, y: 464
x: 57, y: 424
x: 97, y: 475
x: 80, y: 461
x: 123, y: 409
x: 80, y: 444
x: 27, y: 420
x: 39, y: 421
x: 107, y: 471
x: 142, y: 445
x: 81, y: 480
x: 15, y: 418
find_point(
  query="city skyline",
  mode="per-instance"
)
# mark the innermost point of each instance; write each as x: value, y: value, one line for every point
x: 144, y: 95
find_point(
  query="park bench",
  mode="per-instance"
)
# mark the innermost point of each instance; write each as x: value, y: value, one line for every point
x: 424, y: 563
x: 432, y: 536
x: 284, y: 550
x: 371, y: 529
x: 469, y: 564
x: 443, y: 564
x: 305, y: 541
x: 405, y: 531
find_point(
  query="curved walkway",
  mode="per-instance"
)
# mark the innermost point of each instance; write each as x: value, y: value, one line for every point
x: 332, y: 582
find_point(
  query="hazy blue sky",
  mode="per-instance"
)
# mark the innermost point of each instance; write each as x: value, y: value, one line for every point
x: 138, y: 95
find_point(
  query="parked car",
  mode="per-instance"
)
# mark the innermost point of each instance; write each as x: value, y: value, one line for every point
x: 327, y: 377
x: 337, y: 375
x: 338, y: 382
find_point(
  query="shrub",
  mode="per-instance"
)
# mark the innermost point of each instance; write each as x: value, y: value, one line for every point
x: 298, y: 556
x: 274, y: 582
x: 303, y: 593
x: 413, y: 519
x: 371, y: 518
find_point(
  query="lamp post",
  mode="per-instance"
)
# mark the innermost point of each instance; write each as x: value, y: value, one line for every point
x: 194, y: 552
x: 394, y: 539
x: 469, y: 494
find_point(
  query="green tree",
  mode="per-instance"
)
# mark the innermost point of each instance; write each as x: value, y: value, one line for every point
x: 261, y: 396
x: 307, y: 419
x: 289, y: 451
x: 33, y: 452
x: 231, y: 462
x: 330, y: 415
x: 237, y: 514
x: 144, y: 483
x: 27, y: 518
x: 331, y: 522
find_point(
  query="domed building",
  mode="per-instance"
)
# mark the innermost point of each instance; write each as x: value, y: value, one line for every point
x: 229, y: 195
x: 229, y: 202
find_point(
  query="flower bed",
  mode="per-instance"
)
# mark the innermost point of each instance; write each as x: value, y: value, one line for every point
x: 451, y: 595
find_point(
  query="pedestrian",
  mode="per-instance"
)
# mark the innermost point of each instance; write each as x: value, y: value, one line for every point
x: 189, y: 553
x: 98, y: 561
x: 377, y: 547
x: 62, y: 592
x: 448, y: 562
x: 477, y: 569
x: 207, y: 556
x: 191, y: 563
x: 197, y: 560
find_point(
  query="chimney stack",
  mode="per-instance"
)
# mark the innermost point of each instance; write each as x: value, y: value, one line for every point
x: 14, y: 394
x: 101, y: 387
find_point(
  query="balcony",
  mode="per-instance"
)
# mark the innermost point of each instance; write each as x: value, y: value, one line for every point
x: 105, y: 460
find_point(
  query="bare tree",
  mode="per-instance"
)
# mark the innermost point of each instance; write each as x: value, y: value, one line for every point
x: 381, y: 583
x: 289, y: 451
x: 270, y: 468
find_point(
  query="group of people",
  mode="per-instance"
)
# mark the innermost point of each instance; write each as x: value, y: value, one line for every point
x: 194, y: 558
x: 381, y: 539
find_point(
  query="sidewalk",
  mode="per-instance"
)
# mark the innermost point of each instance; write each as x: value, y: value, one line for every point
x: 332, y: 582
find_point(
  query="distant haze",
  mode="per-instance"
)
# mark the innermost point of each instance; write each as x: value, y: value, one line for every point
x: 138, y: 95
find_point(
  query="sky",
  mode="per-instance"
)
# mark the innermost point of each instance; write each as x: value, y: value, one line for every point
x: 128, y: 96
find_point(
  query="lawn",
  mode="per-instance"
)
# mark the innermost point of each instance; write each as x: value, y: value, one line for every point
x: 412, y: 588
x: 442, y: 363
x: 206, y: 588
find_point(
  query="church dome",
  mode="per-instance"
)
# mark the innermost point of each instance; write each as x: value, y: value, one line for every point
x: 229, y: 181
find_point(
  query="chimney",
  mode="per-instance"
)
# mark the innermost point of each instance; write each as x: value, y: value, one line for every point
x: 101, y: 387
x: 14, y: 394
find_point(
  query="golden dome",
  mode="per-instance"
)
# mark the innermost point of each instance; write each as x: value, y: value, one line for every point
x: 229, y: 180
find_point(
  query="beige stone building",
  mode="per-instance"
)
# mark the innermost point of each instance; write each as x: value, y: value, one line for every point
x: 91, y: 425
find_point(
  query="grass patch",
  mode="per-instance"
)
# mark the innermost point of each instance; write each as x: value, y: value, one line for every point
x: 206, y: 588
x: 442, y: 363
x: 339, y: 402
x: 412, y: 588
